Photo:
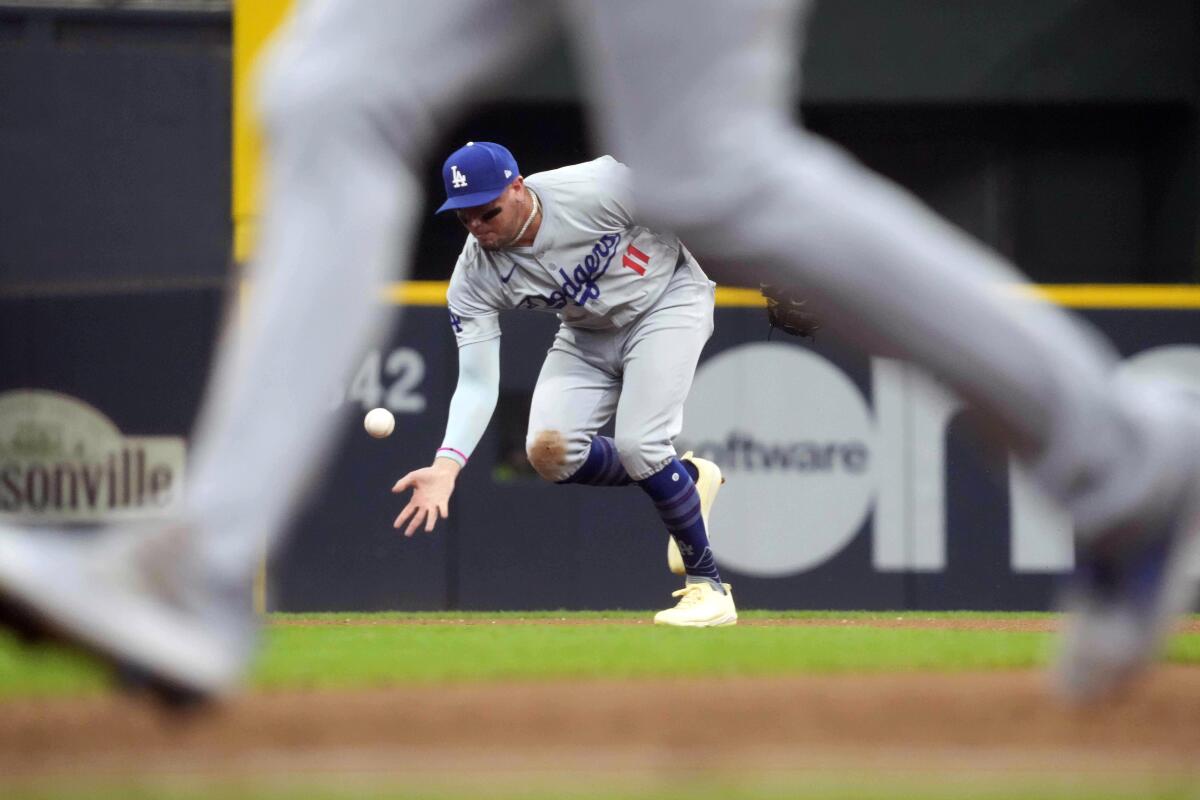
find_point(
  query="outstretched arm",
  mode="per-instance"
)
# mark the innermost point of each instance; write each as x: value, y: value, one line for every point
x: 470, y: 411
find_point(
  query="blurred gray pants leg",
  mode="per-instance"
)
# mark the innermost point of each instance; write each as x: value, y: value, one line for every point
x: 351, y: 94
x: 697, y: 97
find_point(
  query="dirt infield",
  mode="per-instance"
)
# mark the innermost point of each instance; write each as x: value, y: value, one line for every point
x: 991, y: 719
x: 946, y: 722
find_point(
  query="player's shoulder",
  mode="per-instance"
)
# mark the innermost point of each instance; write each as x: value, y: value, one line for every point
x: 475, y: 272
x: 602, y: 168
x: 472, y: 258
x: 472, y: 262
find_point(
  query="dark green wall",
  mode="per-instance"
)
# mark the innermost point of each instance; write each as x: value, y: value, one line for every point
x: 1063, y: 132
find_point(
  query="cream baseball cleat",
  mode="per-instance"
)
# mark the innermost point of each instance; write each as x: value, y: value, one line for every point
x: 1131, y: 584
x: 1123, y: 601
x: 700, y: 606
x: 708, y: 483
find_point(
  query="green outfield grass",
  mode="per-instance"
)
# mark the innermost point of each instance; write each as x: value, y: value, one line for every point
x: 378, y: 650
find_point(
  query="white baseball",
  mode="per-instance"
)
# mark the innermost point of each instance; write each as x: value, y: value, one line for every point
x: 379, y: 422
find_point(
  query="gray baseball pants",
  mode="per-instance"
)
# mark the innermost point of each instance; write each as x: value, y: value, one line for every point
x: 640, y: 374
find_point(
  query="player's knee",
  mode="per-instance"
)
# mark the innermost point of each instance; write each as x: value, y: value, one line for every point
x: 548, y: 455
x: 302, y: 95
x: 288, y: 104
x: 289, y: 89
x: 637, y: 456
x: 710, y: 206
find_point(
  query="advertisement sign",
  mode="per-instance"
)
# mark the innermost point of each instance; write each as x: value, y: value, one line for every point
x: 63, y: 461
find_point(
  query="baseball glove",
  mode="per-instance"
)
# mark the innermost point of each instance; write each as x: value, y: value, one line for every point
x: 787, y: 310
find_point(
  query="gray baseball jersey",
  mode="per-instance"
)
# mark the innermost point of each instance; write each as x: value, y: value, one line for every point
x: 620, y: 289
x: 590, y: 263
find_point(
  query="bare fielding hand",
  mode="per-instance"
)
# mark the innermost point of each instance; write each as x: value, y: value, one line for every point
x: 432, y: 487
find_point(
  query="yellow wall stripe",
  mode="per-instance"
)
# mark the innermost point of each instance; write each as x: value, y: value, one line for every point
x: 417, y: 293
x: 1121, y: 295
x: 244, y: 233
x: 254, y: 22
x: 733, y: 297
x: 433, y: 293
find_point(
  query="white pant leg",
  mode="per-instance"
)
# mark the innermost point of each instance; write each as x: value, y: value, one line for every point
x: 351, y: 95
x: 660, y: 356
x: 695, y: 95
x: 576, y: 393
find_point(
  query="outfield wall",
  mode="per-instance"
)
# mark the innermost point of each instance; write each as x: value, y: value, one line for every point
x: 854, y: 481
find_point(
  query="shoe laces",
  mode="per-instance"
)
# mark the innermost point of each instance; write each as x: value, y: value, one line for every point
x: 690, y: 595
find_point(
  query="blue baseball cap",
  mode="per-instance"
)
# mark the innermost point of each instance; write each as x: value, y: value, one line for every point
x: 476, y: 174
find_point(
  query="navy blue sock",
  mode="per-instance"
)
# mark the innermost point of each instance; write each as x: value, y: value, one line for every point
x: 674, y: 494
x: 602, y: 467
x: 691, y: 470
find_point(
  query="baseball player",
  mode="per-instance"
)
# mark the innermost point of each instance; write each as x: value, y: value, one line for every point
x: 696, y: 97
x: 636, y: 310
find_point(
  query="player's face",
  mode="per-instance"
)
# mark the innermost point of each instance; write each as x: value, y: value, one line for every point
x: 495, y: 223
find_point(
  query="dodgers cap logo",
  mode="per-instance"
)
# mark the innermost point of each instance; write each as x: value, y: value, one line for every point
x: 476, y: 174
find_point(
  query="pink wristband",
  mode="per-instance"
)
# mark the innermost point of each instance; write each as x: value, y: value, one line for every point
x: 458, y: 453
